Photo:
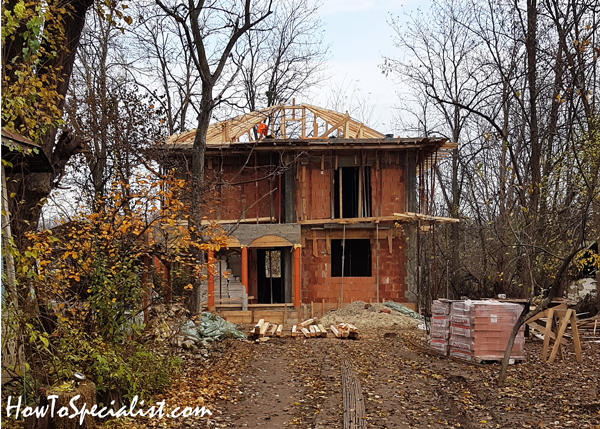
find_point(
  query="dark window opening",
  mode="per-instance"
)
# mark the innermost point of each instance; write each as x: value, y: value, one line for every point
x: 357, y: 258
x: 352, y: 192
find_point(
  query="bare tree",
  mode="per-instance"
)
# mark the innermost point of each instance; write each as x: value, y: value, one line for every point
x: 525, y: 92
x: 211, y: 33
x: 283, y: 59
x: 107, y: 112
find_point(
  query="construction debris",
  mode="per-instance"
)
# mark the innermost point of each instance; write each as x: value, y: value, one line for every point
x: 370, y: 319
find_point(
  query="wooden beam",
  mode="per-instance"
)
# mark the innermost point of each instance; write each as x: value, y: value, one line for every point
x: 303, y: 123
x: 575, y: 334
x: 422, y: 217
x: 335, y: 126
x: 360, y: 192
x: 559, y: 335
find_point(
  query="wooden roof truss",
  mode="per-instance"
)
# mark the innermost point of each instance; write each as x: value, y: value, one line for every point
x: 284, y: 122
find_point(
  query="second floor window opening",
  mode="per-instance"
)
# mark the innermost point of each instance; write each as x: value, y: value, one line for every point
x: 352, y: 192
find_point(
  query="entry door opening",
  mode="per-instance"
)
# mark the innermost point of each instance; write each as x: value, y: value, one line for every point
x: 270, y: 269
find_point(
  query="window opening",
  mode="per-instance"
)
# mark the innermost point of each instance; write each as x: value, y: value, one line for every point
x: 352, y: 192
x: 357, y: 261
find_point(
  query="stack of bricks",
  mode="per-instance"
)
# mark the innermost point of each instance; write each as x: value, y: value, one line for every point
x: 479, y: 330
x: 440, y: 326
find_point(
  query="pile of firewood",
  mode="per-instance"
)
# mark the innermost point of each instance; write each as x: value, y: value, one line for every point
x: 309, y: 328
x: 345, y: 330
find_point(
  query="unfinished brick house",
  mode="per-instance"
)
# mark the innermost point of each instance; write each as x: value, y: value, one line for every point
x: 315, y: 203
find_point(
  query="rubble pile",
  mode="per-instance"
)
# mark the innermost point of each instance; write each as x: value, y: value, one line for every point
x: 370, y: 317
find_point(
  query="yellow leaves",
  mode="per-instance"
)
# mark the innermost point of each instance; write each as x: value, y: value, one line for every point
x: 189, y: 286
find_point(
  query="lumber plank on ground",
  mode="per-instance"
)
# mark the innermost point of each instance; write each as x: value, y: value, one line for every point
x: 294, y: 333
x: 307, y: 323
x: 335, y: 331
x: 263, y: 329
x: 257, y: 327
x: 306, y: 332
x: 279, y: 330
x: 323, y: 330
x: 273, y: 330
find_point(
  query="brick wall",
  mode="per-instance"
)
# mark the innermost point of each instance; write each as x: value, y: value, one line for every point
x: 245, y: 195
x: 317, y: 283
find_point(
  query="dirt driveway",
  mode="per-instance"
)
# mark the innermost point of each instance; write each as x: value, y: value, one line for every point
x: 297, y: 383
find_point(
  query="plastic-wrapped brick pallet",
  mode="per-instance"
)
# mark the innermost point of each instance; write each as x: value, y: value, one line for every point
x: 440, y: 326
x: 479, y: 330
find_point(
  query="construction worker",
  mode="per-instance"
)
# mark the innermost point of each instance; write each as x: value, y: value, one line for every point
x: 262, y: 130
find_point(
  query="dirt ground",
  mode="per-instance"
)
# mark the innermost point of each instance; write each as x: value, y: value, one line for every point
x: 287, y: 382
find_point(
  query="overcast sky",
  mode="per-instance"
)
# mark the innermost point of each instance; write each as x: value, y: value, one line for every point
x: 359, y: 36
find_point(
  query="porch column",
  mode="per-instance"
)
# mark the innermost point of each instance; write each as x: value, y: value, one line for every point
x: 296, y: 275
x: 211, y: 280
x: 245, y: 267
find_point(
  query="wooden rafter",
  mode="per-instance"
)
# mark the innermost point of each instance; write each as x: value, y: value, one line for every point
x: 230, y: 130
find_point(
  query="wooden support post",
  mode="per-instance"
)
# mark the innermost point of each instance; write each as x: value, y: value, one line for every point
x: 341, y: 199
x: 304, y: 122
x: 303, y: 192
x: 211, y: 280
x: 296, y: 276
x: 377, y: 249
x: 245, y: 267
x: 575, y: 334
x: 360, y: 192
x: 559, y: 335
x: 548, y: 330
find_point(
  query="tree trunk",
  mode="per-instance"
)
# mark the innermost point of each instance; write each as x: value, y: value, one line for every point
x: 536, y: 150
x: 33, y: 189
x: 195, y: 226
x: 526, y: 315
